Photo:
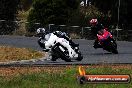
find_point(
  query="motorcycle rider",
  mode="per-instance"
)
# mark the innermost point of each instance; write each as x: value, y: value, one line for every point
x: 64, y: 35
x: 41, y: 34
x: 47, y: 40
x: 95, y: 29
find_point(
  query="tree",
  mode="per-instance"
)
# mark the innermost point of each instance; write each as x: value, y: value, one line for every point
x: 106, y: 7
x: 89, y: 13
x: 51, y: 12
x: 25, y: 4
x: 110, y: 9
x: 8, y: 11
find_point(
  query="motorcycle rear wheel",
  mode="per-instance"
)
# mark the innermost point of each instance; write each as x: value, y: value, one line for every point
x: 80, y: 57
x: 54, y: 58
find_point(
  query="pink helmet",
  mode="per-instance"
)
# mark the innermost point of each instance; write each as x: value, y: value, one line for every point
x: 93, y: 21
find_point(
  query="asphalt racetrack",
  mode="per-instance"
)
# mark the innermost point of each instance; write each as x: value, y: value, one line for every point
x: 91, y: 55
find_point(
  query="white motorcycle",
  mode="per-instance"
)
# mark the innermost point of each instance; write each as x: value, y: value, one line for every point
x: 60, y: 47
x: 59, y: 51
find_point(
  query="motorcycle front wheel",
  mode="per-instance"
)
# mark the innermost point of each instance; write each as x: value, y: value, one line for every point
x: 80, y: 57
x: 114, y: 48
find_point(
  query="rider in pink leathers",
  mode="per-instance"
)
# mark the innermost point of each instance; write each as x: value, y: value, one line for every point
x: 95, y: 29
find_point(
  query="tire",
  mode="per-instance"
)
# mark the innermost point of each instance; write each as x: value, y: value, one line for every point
x: 114, y: 44
x: 80, y: 57
x: 54, y: 58
x: 60, y: 54
x: 115, y: 51
x: 114, y: 48
x: 67, y: 59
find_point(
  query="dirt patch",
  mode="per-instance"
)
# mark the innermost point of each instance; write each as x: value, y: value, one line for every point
x: 10, y: 72
x: 8, y: 53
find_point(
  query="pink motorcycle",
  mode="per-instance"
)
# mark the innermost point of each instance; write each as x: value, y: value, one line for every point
x: 106, y: 41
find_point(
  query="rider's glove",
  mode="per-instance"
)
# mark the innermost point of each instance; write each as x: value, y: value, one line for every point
x: 46, y: 50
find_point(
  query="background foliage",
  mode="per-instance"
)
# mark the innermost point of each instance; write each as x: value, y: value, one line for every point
x: 8, y: 11
x: 51, y: 12
x: 68, y: 12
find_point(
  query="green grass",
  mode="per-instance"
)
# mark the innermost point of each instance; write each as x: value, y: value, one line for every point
x: 65, y: 79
